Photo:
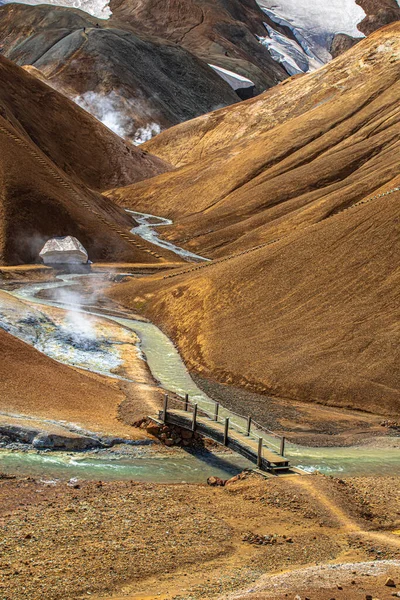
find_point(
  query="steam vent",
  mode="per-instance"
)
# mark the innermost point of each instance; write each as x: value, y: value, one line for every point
x: 63, y: 250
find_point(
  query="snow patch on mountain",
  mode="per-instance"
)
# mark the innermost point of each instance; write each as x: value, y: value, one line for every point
x: 235, y: 80
x: 96, y: 8
x: 289, y: 53
x: 314, y: 23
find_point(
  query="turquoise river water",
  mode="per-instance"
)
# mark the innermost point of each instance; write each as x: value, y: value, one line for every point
x: 169, y: 370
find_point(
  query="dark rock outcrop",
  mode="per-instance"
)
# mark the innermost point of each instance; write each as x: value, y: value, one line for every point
x: 341, y: 43
x: 378, y: 14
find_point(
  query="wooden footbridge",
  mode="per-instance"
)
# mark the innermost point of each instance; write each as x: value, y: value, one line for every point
x: 260, y: 446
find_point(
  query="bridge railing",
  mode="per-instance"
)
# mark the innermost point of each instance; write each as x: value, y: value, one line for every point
x: 228, y: 419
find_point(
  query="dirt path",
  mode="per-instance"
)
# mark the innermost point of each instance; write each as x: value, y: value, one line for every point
x: 345, y: 522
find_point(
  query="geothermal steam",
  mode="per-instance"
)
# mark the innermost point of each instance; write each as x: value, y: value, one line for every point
x: 115, y: 112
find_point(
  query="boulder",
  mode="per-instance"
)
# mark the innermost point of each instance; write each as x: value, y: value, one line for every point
x: 63, y: 250
x: 153, y: 429
x: 52, y: 442
x: 238, y: 477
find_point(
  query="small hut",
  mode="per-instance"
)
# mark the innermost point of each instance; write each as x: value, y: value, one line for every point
x: 63, y: 251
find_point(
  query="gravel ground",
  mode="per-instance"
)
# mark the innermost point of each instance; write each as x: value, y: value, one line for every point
x: 182, y: 541
x: 308, y: 424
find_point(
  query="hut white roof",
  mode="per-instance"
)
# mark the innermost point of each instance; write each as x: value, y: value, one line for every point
x: 63, y: 250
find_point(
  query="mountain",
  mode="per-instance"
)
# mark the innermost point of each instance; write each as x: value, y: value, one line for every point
x: 53, y: 155
x: 289, y: 158
x: 225, y: 33
x: 378, y: 13
x: 298, y: 193
x: 133, y: 84
x: 314, y: 317
x: 142, y: 67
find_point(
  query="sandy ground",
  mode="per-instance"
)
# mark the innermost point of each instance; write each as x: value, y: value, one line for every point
x: 129, y: 540
x: 26, y: 272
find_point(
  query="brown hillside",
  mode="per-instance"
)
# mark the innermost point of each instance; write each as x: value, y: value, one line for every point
x: 314, y: 317
x: 290, y: 157
x: 35, y: 385
x: 74, y: 140
x: 41, y: 171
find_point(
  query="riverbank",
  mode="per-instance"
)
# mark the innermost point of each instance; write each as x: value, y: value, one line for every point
x: 132, y: 540
x: 307, y: 424
x: 135, y: 357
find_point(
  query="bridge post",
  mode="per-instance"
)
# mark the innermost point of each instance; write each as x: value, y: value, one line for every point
x: 226, y: 431
x: 259, y: 453
x: 194, y: 417
x: 248, y: 425
x: 186, y: 402
x: 282, y: 451
x: 165, y: 408
x: 216, y: 411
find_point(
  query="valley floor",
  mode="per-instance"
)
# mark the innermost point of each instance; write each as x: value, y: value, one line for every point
x: 305, y: 423
x: 144, y: 541
x: 313, y: 536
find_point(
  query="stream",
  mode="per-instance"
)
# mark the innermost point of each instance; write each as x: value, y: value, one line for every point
x: 169, y: 370
x: 145, y: 230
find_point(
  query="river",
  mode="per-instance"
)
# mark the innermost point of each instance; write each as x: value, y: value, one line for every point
x: 169, y: 370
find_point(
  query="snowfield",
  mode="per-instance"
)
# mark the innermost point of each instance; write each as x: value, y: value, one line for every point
x: 295, y: 57
x: 316, y: 22
x: 96, y: 8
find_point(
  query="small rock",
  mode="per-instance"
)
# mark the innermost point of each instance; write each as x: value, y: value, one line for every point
x: 389, y: 582
x: 216, y: 481
x: 153, y: 429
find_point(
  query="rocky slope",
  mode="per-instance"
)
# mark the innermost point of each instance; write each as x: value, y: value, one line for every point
x: 48, y: 167
x: 284, y: 160
x: 378, y: 13
x: 222, y: 32
x: 133, y: 84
